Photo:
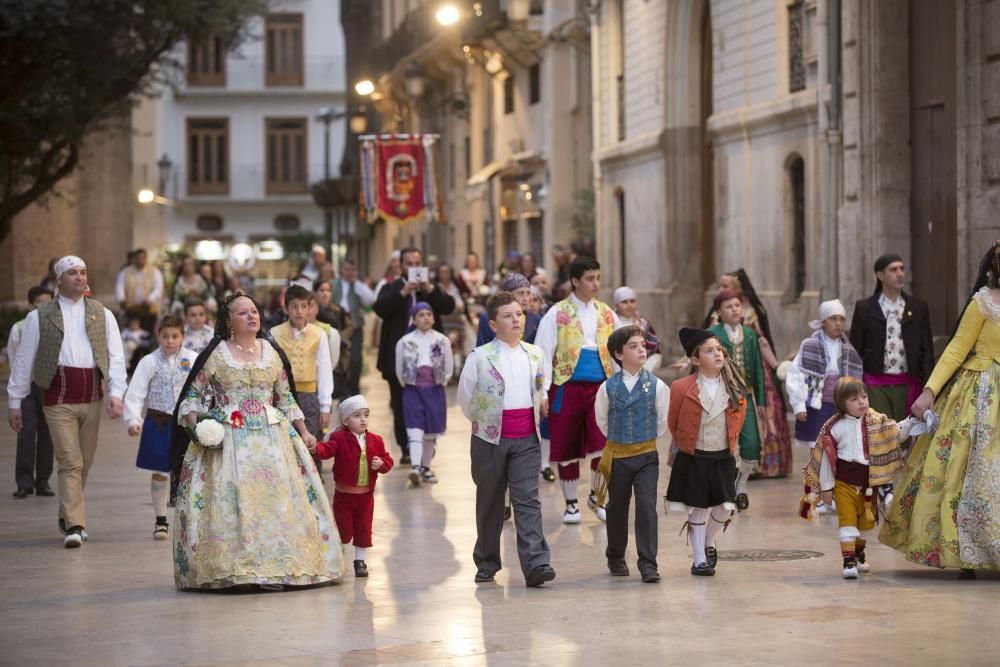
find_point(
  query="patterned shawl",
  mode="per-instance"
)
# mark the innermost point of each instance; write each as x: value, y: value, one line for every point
x: 813, y: 361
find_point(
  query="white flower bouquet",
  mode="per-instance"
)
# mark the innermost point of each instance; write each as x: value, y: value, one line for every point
x: 208, y: 433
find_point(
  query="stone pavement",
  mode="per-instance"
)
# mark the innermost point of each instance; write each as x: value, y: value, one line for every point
x: 113, y: 601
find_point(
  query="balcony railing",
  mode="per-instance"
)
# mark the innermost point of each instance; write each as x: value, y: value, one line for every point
x: 320, y: 73
x: 246, y: 183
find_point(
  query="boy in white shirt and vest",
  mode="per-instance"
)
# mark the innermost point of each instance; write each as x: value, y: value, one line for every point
x: 500, y: 385
x: 70, y: 345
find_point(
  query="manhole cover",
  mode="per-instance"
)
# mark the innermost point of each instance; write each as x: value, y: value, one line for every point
x: 769, y: 554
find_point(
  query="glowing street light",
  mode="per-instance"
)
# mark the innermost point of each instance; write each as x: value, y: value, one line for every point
x: 146, y: 196
x: 447, y: 15
x: 364, y: 88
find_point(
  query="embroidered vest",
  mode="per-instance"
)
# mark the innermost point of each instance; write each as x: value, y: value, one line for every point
x: 411, y: 354
x: 486, y: 406
x: 301, y: 353
x: 50, y: 338
x: 631, y: 414
x: 569, y: 340
x: 133, y: 276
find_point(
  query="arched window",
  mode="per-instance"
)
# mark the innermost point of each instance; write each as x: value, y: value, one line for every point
x: 795, y: 170
x: 208, y: 222
x: 287, y: 222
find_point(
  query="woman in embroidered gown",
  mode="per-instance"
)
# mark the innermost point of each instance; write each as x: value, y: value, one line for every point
x: 253, y: 510
x: 947, y: 507
x: 776, y: 436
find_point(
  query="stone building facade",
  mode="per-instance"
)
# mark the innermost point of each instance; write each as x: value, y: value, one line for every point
x: 797, y: 139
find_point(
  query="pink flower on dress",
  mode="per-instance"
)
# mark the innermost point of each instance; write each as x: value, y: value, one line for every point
x: 562, y: 318
x: 252, y: 406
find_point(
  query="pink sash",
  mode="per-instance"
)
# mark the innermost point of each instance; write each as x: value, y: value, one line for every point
x: 914, y: 386
x: 518, y: 423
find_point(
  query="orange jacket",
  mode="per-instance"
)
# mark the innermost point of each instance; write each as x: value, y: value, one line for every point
x: 684, y: 417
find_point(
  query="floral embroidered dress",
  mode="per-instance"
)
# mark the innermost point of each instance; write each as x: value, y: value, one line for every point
x: 252, y: 511
x: 947, y: 508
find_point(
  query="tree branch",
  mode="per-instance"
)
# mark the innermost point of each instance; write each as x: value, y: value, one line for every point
x: 13, y: 204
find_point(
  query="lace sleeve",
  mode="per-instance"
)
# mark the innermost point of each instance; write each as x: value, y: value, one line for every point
x: 191, y: 401
x: 284, y: 399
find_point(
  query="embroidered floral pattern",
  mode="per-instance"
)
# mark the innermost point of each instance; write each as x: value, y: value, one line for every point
x: 895, y: 352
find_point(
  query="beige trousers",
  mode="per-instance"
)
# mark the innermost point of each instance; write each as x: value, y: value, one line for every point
x: 74, y: 441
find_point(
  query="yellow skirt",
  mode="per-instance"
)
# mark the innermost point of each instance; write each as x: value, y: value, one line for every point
x: 947, y: 507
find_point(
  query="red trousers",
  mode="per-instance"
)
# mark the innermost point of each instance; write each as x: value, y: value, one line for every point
x: 573, y: 428
x: 353, y: 513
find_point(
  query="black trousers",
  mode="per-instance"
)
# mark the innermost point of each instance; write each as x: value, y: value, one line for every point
x: 354, y: 370
x: 637, y: 473
x: 34, y: 444
x: 513, y: 464
x: 396, y: 403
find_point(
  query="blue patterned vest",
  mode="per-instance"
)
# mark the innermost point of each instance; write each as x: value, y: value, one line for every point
x: 631, y: 415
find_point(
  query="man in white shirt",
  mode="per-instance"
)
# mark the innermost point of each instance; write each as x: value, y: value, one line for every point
x: 574, y: 336
x: 69, y: 346
x: 139, y: 289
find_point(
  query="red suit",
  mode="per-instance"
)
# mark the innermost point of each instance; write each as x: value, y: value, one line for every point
x: 354, y: 507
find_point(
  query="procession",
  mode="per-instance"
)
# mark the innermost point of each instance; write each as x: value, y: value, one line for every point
x: 508, y: 332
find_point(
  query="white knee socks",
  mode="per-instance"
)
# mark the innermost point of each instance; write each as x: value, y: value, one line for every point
x: 717, y: 521
x: 568, y: 485
x: 415, y: 436
x: 360, y: 552
x: 427, y: 452
x: 746, y: 467
x: 546, y: 452
x: 160, y: 490
x: 696, y: 534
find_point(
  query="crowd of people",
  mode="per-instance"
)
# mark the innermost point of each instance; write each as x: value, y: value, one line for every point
x: 236, y: 406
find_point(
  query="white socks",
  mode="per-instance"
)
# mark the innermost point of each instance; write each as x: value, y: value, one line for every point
x: 359, y: 553
x: 746, y: 467
x: 716, y: 522
x: 421, y: 447
x: 546, y: 452
x: 160, y: 490
x: 696, y: 533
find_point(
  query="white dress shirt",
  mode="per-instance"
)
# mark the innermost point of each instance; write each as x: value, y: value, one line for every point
x: 547, y: 336
x: 895, y: 350
x: 324, y: 370
x: 333, y: 339
x: 601, y: 402
x: 514, y: 367
x: 139, y: 296
x: 708, y: 388
x: 13, y: 341
x: 425, y: 340
x: 158, y: 380
x: 795, y: 382
x: 365, y: 294
x: 735, y: 333
x: 75, y: 352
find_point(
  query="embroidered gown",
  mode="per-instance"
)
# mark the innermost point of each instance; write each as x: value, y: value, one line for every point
x: 253, y: 511
x: 947, y: 507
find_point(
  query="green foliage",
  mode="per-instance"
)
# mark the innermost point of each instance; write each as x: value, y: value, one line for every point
x: 72, y: 67
x: 297, y: 246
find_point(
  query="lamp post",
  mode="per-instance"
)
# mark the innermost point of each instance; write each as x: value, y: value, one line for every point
x: 358, y: 123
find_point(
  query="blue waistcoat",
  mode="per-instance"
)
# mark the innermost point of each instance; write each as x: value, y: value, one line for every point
x: 631, y: 415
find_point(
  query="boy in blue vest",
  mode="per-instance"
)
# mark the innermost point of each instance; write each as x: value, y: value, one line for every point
x: 631, y: 409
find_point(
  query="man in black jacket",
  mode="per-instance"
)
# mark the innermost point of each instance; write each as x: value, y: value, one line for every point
x: 891, y: 330
x: 393, y: 305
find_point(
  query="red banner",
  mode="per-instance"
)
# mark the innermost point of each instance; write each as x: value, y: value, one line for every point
x: 399, y: 177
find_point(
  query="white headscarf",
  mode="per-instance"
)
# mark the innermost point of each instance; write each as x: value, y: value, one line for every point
x: 65, y: 264
x: 623, y: 294
x: 828, y: 309
x: 351, y: 405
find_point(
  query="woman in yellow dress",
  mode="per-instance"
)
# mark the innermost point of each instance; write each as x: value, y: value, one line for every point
x: 947, y: 507
x: 251, y: 509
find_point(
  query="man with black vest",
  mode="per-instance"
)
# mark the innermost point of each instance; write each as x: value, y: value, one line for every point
x: 891, y: 330
x: 69, y: 346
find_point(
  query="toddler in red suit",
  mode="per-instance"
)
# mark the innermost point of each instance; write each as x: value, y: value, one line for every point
x: 359, y: 456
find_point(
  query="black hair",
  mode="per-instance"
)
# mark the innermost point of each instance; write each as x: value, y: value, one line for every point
x: 36, y: 292
x: 192, y: 302
x: 406, y: 251
x: 581, y: 265
x: 297, y: 292
x: 223, y: 323
x: 620, y: 337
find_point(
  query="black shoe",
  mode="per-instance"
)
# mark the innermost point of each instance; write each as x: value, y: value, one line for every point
x: 548, y: 475
x: 360, y: 569
x: 507, y: 513
x: 539, y: 576
x: 484, y: 576
x: 23, y: 492
x: 404, y: 460
x: 742, y: 502
x: 650, y: 577
x: 618, y: 567
x: 966, y: 574
x: 703, y: 570
x: 43, y: 489
x: 712, y: 556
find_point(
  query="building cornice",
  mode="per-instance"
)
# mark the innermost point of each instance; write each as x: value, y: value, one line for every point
x: 641, y: 146
x: 789, y: 111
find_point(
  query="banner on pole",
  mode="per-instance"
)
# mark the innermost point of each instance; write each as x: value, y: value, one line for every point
x: 399, y: 177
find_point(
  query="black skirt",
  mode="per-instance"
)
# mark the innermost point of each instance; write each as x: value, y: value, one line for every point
x: 703, y: 480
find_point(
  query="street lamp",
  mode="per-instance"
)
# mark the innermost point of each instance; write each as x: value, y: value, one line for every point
x: 164, y: 165
x: 364, y: 88
x: 447, y: 15
x: 413, y: 76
